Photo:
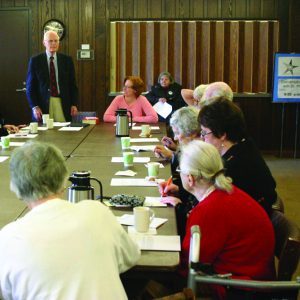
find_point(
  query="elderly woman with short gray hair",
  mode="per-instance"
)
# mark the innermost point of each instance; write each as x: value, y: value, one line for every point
x: 59, y: 250
x: 185, y: 126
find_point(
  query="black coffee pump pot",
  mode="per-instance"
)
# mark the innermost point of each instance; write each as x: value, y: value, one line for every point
x: 122, y: 123
x: 81, y: 188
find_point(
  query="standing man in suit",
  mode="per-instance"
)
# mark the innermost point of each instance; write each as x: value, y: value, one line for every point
x: 51, y: 85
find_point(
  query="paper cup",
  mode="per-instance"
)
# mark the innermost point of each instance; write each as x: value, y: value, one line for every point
x: 49, y: 123
x: 128, y: 159
x: 142, y: 218
x: 45, y: 118
x: 5, y: 141
x: 125, y: 142
x: 33, y: 127
x: 153, y: 169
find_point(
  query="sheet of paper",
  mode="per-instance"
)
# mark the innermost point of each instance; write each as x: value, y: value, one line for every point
x: 140, y: 127
x: 163, y: 109
x: 42, y: 128
x: 129, y: 124
x: 126, y: 173
x: 3, y: 158
x: 16, y: 144
x: 61, y: 124
x: 25, y: 130
x: 144, y: 140
x: 135, y: 159
x: 149, y: 148
x: 154, y: 201
x: 70, y: 129
x: 128, y: 220
x: 22, y: 136
x: 157, y: 242
x: 131, y: 230
x: 134, y: 182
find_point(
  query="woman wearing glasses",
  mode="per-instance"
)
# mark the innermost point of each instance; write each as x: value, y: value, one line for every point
x: 142, y: 110
x: 223, y: 125
x: 230, y: 240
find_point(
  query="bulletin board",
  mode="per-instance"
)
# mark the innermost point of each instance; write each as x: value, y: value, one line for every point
x: 286, y: 85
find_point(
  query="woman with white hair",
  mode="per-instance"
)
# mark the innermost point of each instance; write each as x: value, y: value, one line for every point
x: 193, y: 97
x: 59, y: 250
x: 231, y: 241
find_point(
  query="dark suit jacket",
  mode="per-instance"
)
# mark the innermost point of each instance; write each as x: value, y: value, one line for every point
x: 38, y: 83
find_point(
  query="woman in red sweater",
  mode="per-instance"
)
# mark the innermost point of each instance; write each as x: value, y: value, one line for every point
x: 237, y: 235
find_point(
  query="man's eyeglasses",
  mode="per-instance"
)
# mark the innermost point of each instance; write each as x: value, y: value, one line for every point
x: 203, y: 133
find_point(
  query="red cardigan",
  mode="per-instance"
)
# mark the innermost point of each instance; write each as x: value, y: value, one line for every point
x: 236, y: 236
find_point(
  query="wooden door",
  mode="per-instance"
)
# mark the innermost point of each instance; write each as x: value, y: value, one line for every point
x: 14, y: 53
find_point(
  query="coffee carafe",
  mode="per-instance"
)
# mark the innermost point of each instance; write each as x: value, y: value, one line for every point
x: 81, y: 188
x: 122, y: 123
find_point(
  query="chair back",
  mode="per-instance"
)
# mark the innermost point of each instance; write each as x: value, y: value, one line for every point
x: 287, y: 245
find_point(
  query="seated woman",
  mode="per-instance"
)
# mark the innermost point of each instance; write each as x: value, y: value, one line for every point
x: 166, y: 90
x: 185, y: 127
x: 132, y: 100
x: 184, y: 123
x: 231, y: 241
x: 193, y: 97
x: 223, y: 125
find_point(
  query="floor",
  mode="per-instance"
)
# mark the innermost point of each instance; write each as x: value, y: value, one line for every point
x: 287, y: 175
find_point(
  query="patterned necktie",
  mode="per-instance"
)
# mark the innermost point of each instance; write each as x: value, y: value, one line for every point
x: 53, y: 84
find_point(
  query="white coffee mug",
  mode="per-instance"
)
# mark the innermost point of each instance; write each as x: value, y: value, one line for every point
x: 49, y: 123
x: 45, y: 118
x: 146, y: 130
x: 142, y: 218
x: 33, y: 127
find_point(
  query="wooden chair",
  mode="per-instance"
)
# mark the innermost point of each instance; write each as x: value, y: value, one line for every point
x: 287, y: 250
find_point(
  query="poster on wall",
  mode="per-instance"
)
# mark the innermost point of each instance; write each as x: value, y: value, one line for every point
x: 286, y: 85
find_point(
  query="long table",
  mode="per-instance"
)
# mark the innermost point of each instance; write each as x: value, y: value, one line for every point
x: 91, y: 149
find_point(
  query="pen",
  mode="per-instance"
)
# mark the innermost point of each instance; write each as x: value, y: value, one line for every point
x: 167, y: 184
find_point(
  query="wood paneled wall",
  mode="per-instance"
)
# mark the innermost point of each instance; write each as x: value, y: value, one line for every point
x: 195, y: 52
x: 87, y: 22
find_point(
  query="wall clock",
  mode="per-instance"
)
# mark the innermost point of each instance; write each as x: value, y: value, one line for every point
x: 57, y: 26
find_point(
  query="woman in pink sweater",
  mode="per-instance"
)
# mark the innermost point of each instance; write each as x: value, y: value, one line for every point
x: 142, y: 110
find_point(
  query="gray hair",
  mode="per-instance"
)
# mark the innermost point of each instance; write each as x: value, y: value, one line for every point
x: 37, y: 170
x: 165, y: 73
x: 199, y: 91
x: 185, y: 120
x: 204, y: 161
x: 47, y: 33
x: 215, y: 90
